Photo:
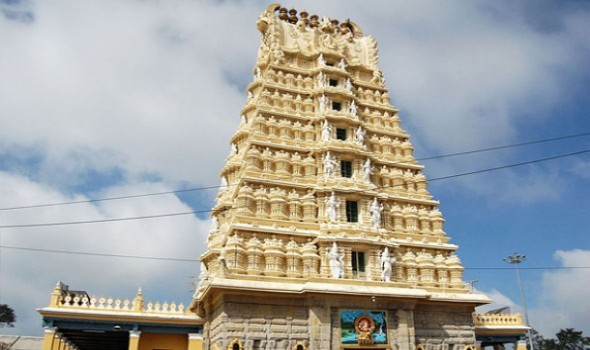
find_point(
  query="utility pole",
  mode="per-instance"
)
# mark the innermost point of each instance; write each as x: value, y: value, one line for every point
x: 516, y: 259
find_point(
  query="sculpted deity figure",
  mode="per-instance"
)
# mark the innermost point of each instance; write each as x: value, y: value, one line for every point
x: 329, y: 165
x: 321, y: 80
x: 359, y: 135
x: 348, y: 85
x: 336, y: 262
x: 243, y: 120
x: 342, y: 64
x: 234, y: 149
x: 386, y: 264
x: 321, y: 60
x: 326, y: 131
x: 332, y: 206
x: 204, y: 274
x: 257, y: 74
x: 376, y: 209
x: 367, y: 170
x: 323, y: 103
x: 352, y: 109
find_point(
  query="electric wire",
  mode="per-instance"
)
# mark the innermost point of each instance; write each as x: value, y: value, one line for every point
x: 146, y: 257
x: 232, y: 208
x: 283, y: 177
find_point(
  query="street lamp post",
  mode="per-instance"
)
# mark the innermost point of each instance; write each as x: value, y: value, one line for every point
x: 516, y: 259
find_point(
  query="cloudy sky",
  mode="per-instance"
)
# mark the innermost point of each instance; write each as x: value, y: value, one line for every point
x: 113, y: 98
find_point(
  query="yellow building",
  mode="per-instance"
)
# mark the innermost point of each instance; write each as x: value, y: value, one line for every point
x: 325, y: 237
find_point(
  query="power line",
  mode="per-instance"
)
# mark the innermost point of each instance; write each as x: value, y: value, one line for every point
x: 58, y: 251
x: 507, y: 146
x: 283, y: 177
x: 357, y: 191
x: 45, y: 250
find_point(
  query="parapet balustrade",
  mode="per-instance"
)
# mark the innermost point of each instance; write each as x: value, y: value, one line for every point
x: 291, y: 166
x: 413, y: 221
x: 283, y: 131
x: 122, y: 305
x: 392, y: 149
x: 288, y: 80
x: 403, y: 183
x: 276, y: 203
x: 286, y: 102
x: 271, y: 257
x: 373, y: 96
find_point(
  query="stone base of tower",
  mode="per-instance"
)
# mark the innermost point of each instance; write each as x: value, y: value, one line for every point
x: 267, y: 320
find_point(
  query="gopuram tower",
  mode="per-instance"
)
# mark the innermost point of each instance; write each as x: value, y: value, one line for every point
x: 324, y: 233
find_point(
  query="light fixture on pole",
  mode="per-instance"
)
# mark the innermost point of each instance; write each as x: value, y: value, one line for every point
x: 516, y: 259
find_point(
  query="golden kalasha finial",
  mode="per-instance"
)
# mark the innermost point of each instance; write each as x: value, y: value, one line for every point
x: 293, y: 16
x: 314, y: 21
x: 283, y: 14
x: 303, y: 14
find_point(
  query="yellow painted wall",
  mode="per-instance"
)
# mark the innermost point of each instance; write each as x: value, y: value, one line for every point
x: 162, y: 341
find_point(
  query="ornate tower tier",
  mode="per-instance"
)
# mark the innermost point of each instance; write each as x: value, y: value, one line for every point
x: 324, y: 233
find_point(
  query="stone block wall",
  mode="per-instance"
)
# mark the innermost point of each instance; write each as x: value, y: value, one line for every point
x: 443, y: 327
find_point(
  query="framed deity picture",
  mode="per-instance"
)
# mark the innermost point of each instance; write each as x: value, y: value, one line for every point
x: 363, y: 327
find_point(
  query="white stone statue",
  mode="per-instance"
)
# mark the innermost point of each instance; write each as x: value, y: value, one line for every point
x: 204, y: 274
x: 321, y: 80
x: 352, y: 109
x: 243, y: 120
x: 332, y: 207
x: 234, y: 149
x: 323, y: 103
x: 329, y: 165
x: 336, y: 262
x: 348, y: 85
x: 386, y: 265
x: 321, y: 60
x: 359, y: 135
x: 250, y: 95
x: 326, y: 131
x: 367, y: 169
x: 258, y: 73
x: 342, y: 64
x: 376, y: 209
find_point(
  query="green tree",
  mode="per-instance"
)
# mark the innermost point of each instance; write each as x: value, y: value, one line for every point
x: 7, y: 316
x: 567, y: 339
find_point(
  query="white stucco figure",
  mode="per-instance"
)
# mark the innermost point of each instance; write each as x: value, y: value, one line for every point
x: 348, y: 85
x: 321, y: 60
x: 332, y: 207
x: 243, y: 120
x: 386, y: 265
x: 342, y: 64
x: 352, y: 108
x: 204, y: 274
x: 321, y: 80
x: 359, y: 135
x: 323, y: 103
x: 329, y: 165
x: 250, y: 95
x: 367, y: 169
x: 257, y: 74
x: 376, y: 209
x: 326, y: 131
x: 234, y: 149
x: 336, y: 262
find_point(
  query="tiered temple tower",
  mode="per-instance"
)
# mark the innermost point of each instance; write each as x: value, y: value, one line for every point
x: 324, y: 233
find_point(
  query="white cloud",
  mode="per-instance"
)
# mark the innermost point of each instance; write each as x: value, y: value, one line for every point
x: 499, y: 301
x: 27, y: 276
x: 153, y: 89
x: 564, y: 296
